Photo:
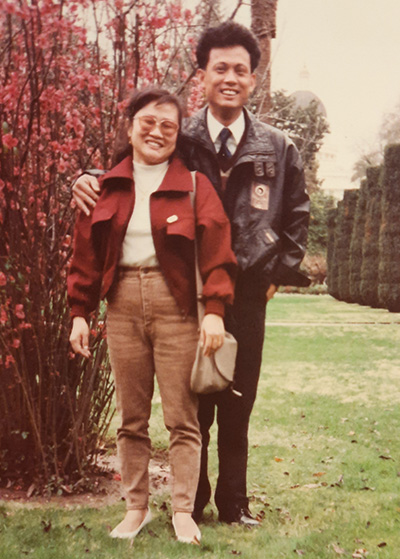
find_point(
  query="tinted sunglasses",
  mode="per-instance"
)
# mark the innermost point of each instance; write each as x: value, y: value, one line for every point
x: 148, y: 123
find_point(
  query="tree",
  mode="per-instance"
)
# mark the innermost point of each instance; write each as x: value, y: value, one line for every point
x: 389, y: 133
x: 306, y: 126
x: 263, y: 24
x: 50, y: 81
x: 369, y: 159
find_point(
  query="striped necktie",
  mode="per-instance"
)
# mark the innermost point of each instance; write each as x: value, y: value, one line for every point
x: 224, y: 155
x: 224, y: 136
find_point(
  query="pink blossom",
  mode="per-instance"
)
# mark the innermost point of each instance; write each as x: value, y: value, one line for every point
x: 3, y: 279
x: 9, y: 361
x: 62, y: 166
x: 19, y: 311
x: 3, y: 315
x: 9, y: 141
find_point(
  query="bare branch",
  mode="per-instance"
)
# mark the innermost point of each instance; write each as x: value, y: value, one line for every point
x: 235, y: 11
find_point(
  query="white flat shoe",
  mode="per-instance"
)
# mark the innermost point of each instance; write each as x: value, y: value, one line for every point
x: 134, y: 533
x: 195, y: 540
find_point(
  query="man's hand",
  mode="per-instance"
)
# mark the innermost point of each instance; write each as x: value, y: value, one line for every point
x: 271, y: 291
x: 79, y: 337
x: 212, y: 333
x: 86, y: 193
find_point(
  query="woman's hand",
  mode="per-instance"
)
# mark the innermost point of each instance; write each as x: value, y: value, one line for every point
x: 79, y: 337
x: 271, y: 292
x: 212, y: 333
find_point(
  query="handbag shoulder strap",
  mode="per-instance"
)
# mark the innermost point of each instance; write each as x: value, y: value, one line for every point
x: 192, y: 194
x: 199, y: 281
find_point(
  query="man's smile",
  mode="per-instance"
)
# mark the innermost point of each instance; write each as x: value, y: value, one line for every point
x: 228, y: 92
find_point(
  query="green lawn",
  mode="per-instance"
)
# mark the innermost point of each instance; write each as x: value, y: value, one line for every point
x: 324, y: 467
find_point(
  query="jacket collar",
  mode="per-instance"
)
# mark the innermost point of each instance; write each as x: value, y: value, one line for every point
x: 258, y: 136
x: 123, y: 170
x: 195, y: 127
x: 177, y: 177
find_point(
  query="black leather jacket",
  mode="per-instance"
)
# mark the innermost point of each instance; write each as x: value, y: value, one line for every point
x: 265, y: 198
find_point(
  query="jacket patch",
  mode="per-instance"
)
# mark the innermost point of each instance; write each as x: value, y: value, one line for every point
x: 258, y: 168
x: 260, y: 196
x: 270, y: 169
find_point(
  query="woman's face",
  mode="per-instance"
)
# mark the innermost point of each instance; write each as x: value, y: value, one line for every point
x: 153, y: 133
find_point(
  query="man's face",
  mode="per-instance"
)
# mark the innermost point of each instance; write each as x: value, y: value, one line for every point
x: 228, y: 82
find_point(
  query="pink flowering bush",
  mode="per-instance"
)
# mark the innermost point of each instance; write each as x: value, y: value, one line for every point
x: 65, y: 69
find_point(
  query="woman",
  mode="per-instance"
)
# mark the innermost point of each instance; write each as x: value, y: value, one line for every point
x: 137, y: 250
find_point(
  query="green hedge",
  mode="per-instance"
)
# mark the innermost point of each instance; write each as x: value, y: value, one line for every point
x: 364, y: 239
x: 332, y: 265
x: 342, y: 253
x: 356, y: 244
x: 389, y: 236
x: 370, y: 243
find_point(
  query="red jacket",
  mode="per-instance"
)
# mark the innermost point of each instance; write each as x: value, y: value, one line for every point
x: 98, y: 240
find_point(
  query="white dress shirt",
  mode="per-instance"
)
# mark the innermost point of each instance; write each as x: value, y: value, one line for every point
x: 237, y: 130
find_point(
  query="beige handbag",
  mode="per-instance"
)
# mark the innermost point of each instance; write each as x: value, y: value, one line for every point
x: 215, y: 372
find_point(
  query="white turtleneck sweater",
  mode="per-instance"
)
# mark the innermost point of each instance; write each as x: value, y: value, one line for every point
x: 138, y: 246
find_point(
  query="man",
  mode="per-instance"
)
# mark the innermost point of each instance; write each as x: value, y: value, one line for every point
x: 258, y: 174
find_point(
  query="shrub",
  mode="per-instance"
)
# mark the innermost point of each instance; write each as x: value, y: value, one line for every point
x: 60, y: 99
x: 54, y: 406
x: 342, y: 249
x: 332, y: 265
x: 356, y: 245
x: 320, y: 206
x: 389, y: 237
x: 370, y: 243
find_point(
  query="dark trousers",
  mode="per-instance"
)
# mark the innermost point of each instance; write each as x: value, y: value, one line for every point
x: 246, y: 322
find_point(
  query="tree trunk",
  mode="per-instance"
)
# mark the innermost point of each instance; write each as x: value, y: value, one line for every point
x: 263, y: 24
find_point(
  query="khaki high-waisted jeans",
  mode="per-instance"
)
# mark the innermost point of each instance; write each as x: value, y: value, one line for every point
x: 148, y: 336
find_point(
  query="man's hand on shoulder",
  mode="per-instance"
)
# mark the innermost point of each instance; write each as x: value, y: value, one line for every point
x: 86, y: 192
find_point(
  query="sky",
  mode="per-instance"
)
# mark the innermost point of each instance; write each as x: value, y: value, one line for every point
x: 351, y: 49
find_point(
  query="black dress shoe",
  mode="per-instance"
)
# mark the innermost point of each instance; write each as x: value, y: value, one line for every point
x: 243, y: 517
x: 197, y: 515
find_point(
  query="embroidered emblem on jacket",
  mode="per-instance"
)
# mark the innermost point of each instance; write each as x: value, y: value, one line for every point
x: 260, y: 196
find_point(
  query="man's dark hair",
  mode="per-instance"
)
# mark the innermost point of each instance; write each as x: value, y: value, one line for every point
x: 137, y: 101
x: 228, y: 34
